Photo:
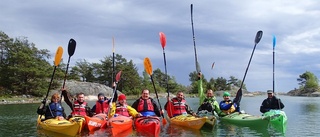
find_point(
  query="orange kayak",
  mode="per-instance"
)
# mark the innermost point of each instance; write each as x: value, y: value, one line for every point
x: 120, y: 124
x: 96, y: 122
x: 148, y: 125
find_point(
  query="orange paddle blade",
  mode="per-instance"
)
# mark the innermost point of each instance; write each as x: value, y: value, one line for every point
x: 58, y: 56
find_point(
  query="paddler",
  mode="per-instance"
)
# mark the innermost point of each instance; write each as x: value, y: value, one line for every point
x: 272, y: 102
x: 226, y: 105
x: 53, y: 110
x: 179, y: 106
x: 122, y: 108
x: 146, y: 105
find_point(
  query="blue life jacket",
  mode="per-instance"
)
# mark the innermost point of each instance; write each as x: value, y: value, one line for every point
x: 148, y: 113
x: 56, y: 109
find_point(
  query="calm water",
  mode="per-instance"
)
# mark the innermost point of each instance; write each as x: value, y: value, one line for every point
x: 303, y: 120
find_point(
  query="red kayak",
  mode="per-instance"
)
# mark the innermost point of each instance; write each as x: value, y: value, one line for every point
x: 148, y: 125
x: 120, y: 124
x: 96, y: 122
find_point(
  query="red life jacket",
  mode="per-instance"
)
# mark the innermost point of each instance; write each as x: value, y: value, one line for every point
x: 79, y: 109
x: 102, y: 107
x: 178, y: 107
x: 141, y: 104
x: 122, y: 110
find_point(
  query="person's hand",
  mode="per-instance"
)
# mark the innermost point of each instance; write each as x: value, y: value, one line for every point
x: 194, y: 114
x: 60, y: 118
x: 199, y: 75
x: 161, y: 112
x: 139, y: 115
x: 168, y: 99
x: 44, y: 101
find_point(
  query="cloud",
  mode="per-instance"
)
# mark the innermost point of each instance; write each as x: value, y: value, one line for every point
x: 224, y: 34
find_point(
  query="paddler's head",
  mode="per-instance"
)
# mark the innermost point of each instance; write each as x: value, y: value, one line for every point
x: 145, y: 94
x: 180, y: 95
x: 270, y: 93
x: 55, y: 98
x: 101, y: 97
x: 122, y: 99
x: 226, y: 96
x: 80, y: 97
x: 209, y: 93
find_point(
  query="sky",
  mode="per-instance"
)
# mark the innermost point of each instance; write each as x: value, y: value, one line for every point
x: 224, y: 33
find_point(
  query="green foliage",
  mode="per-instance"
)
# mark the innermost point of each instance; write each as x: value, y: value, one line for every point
x: 308, y: 80
x: 24, y: 69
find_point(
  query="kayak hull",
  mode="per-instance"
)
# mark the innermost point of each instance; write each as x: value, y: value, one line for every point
x: 189, y: 121
x: 67, y: 127
x: 278, y: 119
x: 120, y: 124
x: 148, y: 125
x: 96, y: 122
x: 210, y: 118
x: 245, y: 119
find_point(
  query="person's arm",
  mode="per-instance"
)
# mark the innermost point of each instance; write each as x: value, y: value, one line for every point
x: 66, y: 96
x: 263, y: 107
x: 133, y: 112
x: 115, y: 97
x: 113, y: 110
x: 189, y: 110
x: 225, y: 106
x: 200, y: 89
x: 218, y: 110
x: 281, y: 104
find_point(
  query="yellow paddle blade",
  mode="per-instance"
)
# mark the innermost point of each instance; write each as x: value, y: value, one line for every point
x: 58, y: 56
x: 147, y: 65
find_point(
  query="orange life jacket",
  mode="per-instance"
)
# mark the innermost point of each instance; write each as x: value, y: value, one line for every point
x: 142, y: 103
x: 179, y: 107
x: 79, y: 109
x: 102, y: 107
x: 122, y: 110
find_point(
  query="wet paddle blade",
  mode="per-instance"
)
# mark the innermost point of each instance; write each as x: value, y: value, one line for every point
x: 163, y: 40
x: 71, y: 47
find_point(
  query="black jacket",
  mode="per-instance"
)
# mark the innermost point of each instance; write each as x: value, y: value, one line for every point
x: 271, y: 103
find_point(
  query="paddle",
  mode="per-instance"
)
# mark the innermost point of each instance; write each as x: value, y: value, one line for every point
x: 274, y: 45
x: 113, y: 50
x: 238, y: 97
x: 71, y: 48
x: 57, y: 60
x: 148, y: 68
x: 194, y: 43
x: 163, y: 45
x: 118, y: 76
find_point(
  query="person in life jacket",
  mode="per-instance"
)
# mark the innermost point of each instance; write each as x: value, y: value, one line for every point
x: 122, y: 108
x: 272, y: 102
x: 178, y: 106
x: 53, y: 110
x: 146, y: 105
x: 101, y: 106
x: 79, y: 107
x: 208, y: 102
x: 226, y: 105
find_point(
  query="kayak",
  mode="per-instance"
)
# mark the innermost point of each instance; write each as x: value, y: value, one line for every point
x: 120, y: 124
x: 245, y: 119
x: 188, y: 121
x: 148, y: 125
x: 96, y: 122
x: 210, y: 118
x: 67, y: 127
x: 278, y: 119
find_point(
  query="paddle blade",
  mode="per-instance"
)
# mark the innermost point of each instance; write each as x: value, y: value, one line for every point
x: 212, y: 65
x: 238, y: 97
x: 164, y: 121
x: 198, y: 67
x: 58, y: 56
x: 118, y: 76
x: 163, y: 40
x: 71, y: 47
x: 258, y: 36
x: 113, y: 50
x: 147, y: 65
x: 274, y: 41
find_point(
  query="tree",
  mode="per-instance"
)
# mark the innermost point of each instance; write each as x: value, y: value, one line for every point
x: 308, y: 80
x: 24, y: 68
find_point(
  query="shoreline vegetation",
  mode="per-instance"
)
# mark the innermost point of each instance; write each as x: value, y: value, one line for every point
x: 24, y: 99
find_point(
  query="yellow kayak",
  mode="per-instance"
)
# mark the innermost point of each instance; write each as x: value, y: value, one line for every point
x: 210, y: 118
x: 67, y: 127
x: 189, y: 121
